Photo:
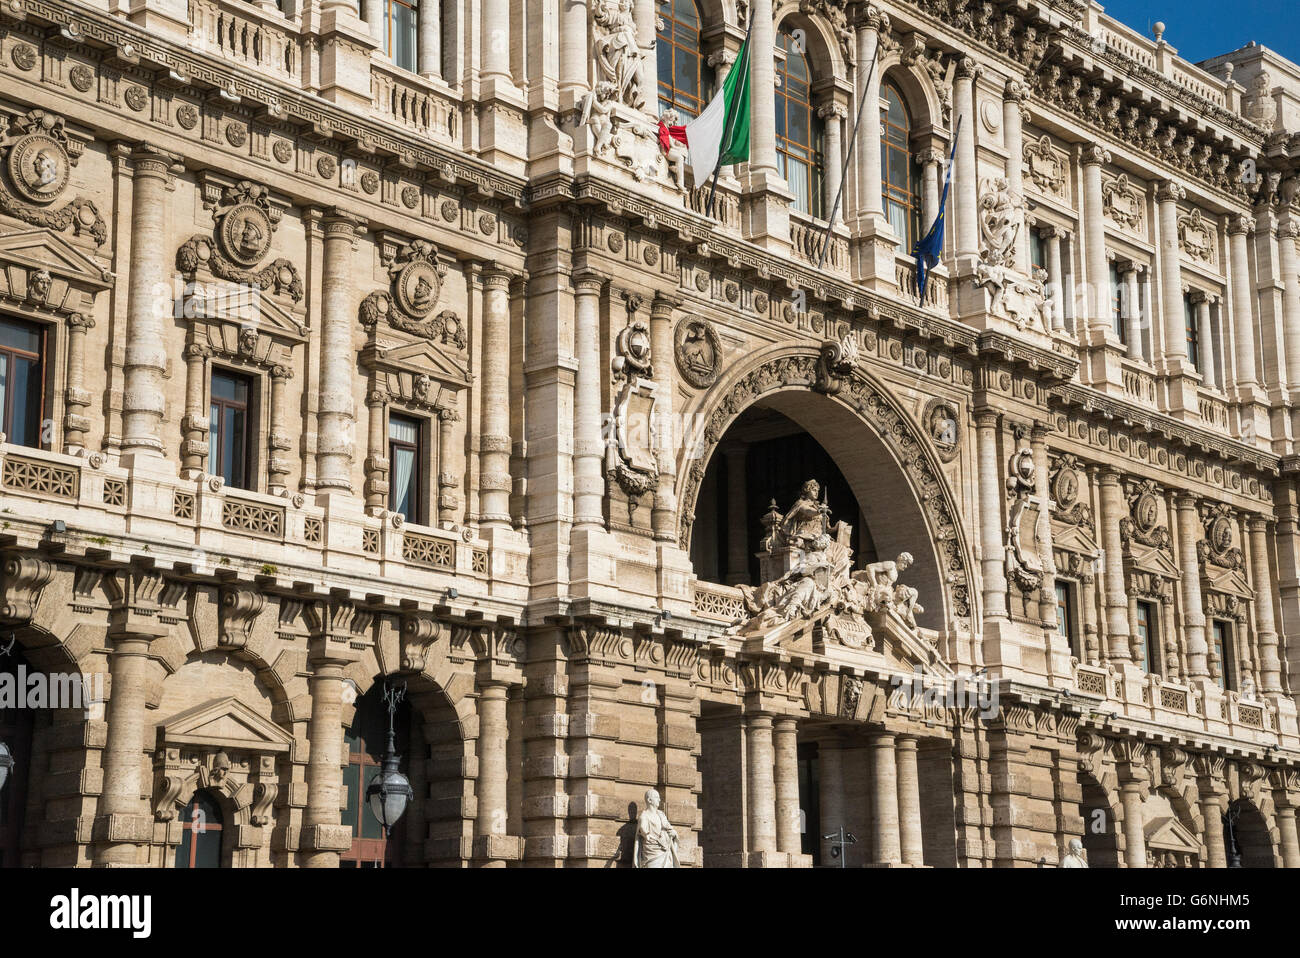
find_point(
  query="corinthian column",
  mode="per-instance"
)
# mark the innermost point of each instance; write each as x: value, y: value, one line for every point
x: 869, y: 23
x: 1113, y: 509
x: 1056, y: 276
x: 964, y: 176
x: 1270, y: 669
x: 1094, y: 245
x: 1133, y: 309
x: 1171, y: 278
x: 1243, y: 301
x: 149, y: 295
x: 833, y: 114
x: 1012, y: 107
x: 494, y: 440
x: 588, y: 447
x: 336, y: 413
x: 762, y: 77
x: 1286, y: 237
x: 1190, y: 532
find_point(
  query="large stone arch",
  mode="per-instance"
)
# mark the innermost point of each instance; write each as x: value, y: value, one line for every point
x: 826, y: 58
x: 783, y: 378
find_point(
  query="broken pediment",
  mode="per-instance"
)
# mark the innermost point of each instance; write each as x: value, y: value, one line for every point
x: 40, y: 270
x: 225, y: 723
x: 240, y: 307
x: 1230, y: 581
x: 1151, y: 559
x: 1075, y: 539
x: 1167, y: 833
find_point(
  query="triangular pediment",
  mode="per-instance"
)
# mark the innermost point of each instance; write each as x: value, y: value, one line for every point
x: 225, y: 723
x: 420, y: 356
x: 1074, y: 539
x: 1168, y: 834
x: 886, y: 642
x: 1154, y: 560
x: 240, y: 307
x: 1231, y: 581
x: 40, y: 249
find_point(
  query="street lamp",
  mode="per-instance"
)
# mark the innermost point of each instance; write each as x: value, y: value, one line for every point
x: 1230, y: 820
x: 6, y: 764
x: 390, y: 791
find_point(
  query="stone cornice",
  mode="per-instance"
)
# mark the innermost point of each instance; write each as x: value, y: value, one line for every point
x: 1081, y: 397
x: 280, y: 100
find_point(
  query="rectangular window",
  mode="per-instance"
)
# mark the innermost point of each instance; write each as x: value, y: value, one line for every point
x: 1148, y: 634
x: 230, y: 451
x: 399, y: 33
x: 22, y: 381
x: 1065, y: 622
x: 1193, y: 332
x: 1222, y: 633
x: 405, y: 458
x: 1038, y: 250
x: 1118, y: 294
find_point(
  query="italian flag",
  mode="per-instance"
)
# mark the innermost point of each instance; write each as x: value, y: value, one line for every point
x: 719, y: 135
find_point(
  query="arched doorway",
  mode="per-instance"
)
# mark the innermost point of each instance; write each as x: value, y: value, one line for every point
x: 1099, y: 826
x: 203, y: 830
x: 1246, y: 837
x: 16, y: 723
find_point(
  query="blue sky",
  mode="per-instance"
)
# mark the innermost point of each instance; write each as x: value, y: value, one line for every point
x: 1200, y: 29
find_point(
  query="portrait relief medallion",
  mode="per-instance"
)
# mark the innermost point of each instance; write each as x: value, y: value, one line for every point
x: 38, y: 167
x: 1221, y: 535
x: 417, y: 288
x: 246, y: 234
x: 1147, y: 512
x: 698, y: 352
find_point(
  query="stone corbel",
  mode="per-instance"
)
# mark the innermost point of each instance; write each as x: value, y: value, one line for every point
x: 419, y: 632
x: 239, y: 611
x: 23, y: 579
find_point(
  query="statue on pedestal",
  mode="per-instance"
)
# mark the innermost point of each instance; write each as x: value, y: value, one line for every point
x: 656, y: 840
x: 1074, y: 856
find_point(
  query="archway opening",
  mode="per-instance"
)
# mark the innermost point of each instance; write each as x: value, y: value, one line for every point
x: 1249, y: 831
x: 767, y: 454
x: 16, y: 725
x: 1099, y: 831
x: 366, y: 741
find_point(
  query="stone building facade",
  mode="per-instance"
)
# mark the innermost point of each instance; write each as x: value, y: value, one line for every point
x: 347, y: 349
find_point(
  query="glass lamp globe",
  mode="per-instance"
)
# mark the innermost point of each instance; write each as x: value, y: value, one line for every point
x: 388, y: 794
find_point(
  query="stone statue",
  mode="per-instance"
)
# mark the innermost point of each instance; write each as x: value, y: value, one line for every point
x: 678, y: 155
x: 1020, y: 485
x: 1074, y: 857
x: 1002, y: 216
x: 807, y: 519
x: 617, y: 55
x: 881, y: 577
x: 598, y: 114
x: 656, y: 840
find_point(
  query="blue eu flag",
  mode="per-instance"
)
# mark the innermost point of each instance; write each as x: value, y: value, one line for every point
x: 930, y: 247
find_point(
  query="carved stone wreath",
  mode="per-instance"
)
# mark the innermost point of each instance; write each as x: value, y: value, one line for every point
x: 245, y: 222
x: 416, y: 284
x: 889, y: 424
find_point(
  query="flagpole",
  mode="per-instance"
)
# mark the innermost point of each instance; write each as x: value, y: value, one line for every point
x: 848, y: 157
x: 713, y: 183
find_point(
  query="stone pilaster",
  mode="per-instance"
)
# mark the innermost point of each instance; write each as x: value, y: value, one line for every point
x: 76, y: 396
x: 1012, y: 113
x: 1270, y: 667
x: 588, y: 432
x: 494, y: 437
x: 1133, y: 308
x: 964, y: 177
x: 1174, y: 354
x: 664, y: 510
x: 1056, y: 275
x: 1243, y: 302
x: 992, y: 547
x: 1093, y: 158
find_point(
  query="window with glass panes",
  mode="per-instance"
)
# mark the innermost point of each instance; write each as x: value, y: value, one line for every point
x: 677, y: 46
x: 900, y: 176
x: 1222, y: 636
x: 405, y: 457
x: 366, y: 740
x: 1065, y: 623
x: 201, y: 833
x: 1117, y: 297
x: 798, y: 128
x: 22, y: 381
x: 1193, y: 331
x: 400, y: 25
x: 1148, y: 637
x: 1038, y: 249
x: 230, y: 448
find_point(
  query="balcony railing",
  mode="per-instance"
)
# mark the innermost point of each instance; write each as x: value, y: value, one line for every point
x: 726, y: 204
x: 421, y: 106
x: 1139, y: 385
x: 936, y: 290
x: 262, y: 40
x: 807, y: 236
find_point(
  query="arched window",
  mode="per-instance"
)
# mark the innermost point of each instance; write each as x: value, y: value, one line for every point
x: 202, y: 822
x: 900, y: 180
x: 798, y: 128
x: 677, y: 44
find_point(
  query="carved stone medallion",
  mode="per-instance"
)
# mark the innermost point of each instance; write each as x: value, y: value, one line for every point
x: 698, y: 352
x: 1146, y: 512
x: 246, y: 234
x: 38, y: 167
x: 944, y: 428
x: 417, y: 287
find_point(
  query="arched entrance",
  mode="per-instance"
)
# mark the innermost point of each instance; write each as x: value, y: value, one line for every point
x: 1246, y: 837
x: 366, y: 740
x: 897, y: 492
x: 16, y: 723
x: 1099, y: 826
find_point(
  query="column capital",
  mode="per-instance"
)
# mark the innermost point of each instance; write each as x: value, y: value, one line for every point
x: 1186, y: 500
x: 588, y: 281
x: 1055, y: 233
x: 1109, y: 475
x: 1170, y: 191
x: 662, y: 306
x: 871, y: 17
x: 931, y: 155
x: 1289, y: 230
x: 1240, y: 225
x: 986, y: 418
x: 832, y: 109
x: 338, y: 222
x: 149, y: 160
x: 1016, y: 91
x: 496, y: 276
x: 1257, y: 524
x: 1093, y: 155
x: 968, y: 69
